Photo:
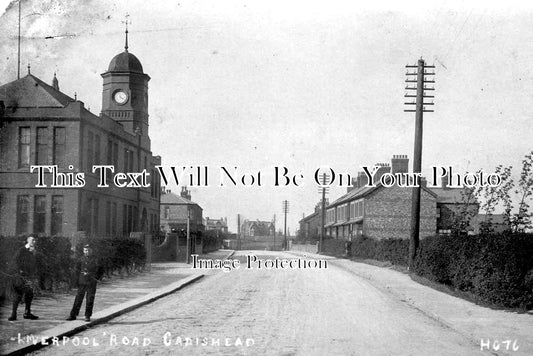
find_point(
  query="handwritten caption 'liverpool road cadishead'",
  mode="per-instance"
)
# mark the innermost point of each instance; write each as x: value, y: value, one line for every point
x: 199, y: 176
x: 110, y: 339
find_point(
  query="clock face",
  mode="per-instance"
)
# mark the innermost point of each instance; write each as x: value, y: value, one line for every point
x: 120, y: 97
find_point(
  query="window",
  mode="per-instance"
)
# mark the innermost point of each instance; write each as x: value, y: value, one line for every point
x: 128, y: 160
x: 92, y: 216
x: 111, y: 219
x: 57, y: 215
x: 130, y: 219
x: 59, y: 146
x: 124, y: 219
x: 127, y: 219
x: 90, y: 151
x: 109, y: 152
x: 23, y: 208
x: 39, y: 214
x: 108, y: 218
x: 94, y: 227
x: 115, y: 155
x: 114, y: 220
x: 96, y: 159
x: 42, y: 146
x: 167, y: 212
x: 24, y: 147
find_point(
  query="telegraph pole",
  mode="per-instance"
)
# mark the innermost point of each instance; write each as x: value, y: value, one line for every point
x: 285, y: 211
x: 18, y: 55
x: 239, y: 231
x: 423, y: 77
x: 324, y: 190
x: 274, y: 230
x: 188, y: 236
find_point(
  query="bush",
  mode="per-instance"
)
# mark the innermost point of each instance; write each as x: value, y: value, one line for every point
x: 496, y: 268
x: 393, y: 250
x: 56, y: 261
x: 116, y: 254
x: 212, y: 240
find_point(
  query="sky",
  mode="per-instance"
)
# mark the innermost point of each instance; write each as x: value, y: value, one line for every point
x: 295, y: 84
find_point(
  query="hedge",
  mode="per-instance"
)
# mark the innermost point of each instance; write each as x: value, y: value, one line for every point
x: 333, y: 247
x: 56, y: 260
x: 395, y: 251
x: 212, y: 240
x: 494, y: 268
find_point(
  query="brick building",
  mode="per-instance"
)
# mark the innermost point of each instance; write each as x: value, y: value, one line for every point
x: 216, y: 224
x: 450, y: 201
x: 311, y: 224
x: 258, y: 228
x: 175, y: 209
x: 40, y: 125
x: 385, y: 212
x: 380, y: 212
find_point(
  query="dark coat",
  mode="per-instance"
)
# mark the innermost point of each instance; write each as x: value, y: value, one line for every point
x: 88, y: 270
x: 25, y: 263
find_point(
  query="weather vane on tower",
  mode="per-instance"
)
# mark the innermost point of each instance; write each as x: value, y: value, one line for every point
x: 126, y: 22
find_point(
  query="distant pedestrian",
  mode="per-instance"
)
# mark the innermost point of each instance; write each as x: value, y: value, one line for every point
x: 88, y: 272
x: 25, y: 269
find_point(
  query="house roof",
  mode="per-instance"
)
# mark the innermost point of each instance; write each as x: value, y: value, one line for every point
x: 354, y: 194
x: 365, y: 191
x: 31, y: 91
x: 448, y: 195
x: 260, y: 223
x: 174, y: 199
x: 213, y: 222
x: 308, y: 217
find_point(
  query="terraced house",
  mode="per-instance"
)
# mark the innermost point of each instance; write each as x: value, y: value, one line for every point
x: 380, y: 212
x: 40, y: 125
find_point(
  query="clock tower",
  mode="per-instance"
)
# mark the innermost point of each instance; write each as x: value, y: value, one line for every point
x: 125, y: 92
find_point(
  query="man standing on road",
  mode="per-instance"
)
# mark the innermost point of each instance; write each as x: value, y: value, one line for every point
x: 25, y: 265
x: 88, y: 272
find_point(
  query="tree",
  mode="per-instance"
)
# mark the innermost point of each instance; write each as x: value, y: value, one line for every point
x: 521, y: 220
x: 492, y: 196
x: 464, y: 211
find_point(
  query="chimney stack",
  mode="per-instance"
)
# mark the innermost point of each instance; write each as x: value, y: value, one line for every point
x: 444, y: 182
x: 185, y: 193
x: 362, y: 179
x: 383, y: 168
x: 400, y: 164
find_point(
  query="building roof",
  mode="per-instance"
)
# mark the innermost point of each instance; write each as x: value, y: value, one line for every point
x: 259, y: 223
x: 308, y: 217
x: 354, y: 194
x: 213, y: 222
x: 364, y: 191
x: 125, y: 62
x: 174, y: 199
x: 31, y: 91
x: 448, y: 195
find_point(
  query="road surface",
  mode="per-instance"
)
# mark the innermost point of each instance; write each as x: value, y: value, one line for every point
x: 274, y: 312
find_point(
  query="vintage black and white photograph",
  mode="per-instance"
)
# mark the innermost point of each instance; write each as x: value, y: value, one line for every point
x: 266, y: 177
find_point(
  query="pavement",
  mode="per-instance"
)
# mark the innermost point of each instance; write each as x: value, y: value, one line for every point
x: 114, y: 296
x: 495, y: 331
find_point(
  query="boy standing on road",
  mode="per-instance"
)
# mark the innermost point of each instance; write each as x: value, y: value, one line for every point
x: 88, y: 272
